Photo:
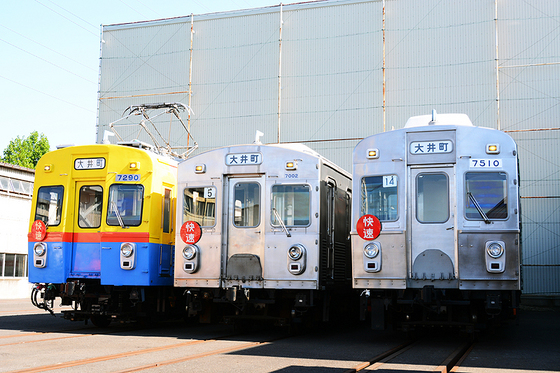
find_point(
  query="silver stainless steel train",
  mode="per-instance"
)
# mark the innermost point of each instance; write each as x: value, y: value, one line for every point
x: 447, y: 196
x: 262, y: 231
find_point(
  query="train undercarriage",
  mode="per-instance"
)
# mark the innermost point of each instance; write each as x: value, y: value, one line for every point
x: 102, y: 304
x: 428, y: 307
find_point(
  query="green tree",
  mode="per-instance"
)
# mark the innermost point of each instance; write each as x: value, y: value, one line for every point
x: 26, y: 151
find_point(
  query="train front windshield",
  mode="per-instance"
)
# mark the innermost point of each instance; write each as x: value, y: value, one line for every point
x: 49, y: 204
x: 125, y: 205
x: 486, y: 195
x: 291, y: 204
x: 378, y: 196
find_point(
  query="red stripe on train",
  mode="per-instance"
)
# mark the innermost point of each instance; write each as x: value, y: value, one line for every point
x: 94, y: 237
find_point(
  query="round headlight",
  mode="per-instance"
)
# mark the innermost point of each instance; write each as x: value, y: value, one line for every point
x: 40, y: 249
x: 296, y: 252
x: 127, y: 249
x: 495, y: 250
x: 189, y: 252
x: 371, y: 250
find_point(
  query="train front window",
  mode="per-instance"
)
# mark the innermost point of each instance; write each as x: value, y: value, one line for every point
x: 378, y: 197
x: 199, y: 205
x: 247, y: 205
x: 291, y: 204
x: 49, y: 205
x: 432, y: 198
x: 90, y: 206
x: 125, y: 205
x: 486, y: 195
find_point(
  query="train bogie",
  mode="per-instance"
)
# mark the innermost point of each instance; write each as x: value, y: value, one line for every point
x: 446, y: 194
x: 274, y: 226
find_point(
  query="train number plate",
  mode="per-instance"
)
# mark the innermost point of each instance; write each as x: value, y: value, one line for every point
x: 485, y: 163
x: 127, y: 177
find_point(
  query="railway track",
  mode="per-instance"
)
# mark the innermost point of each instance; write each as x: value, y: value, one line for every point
x: 389, y: 360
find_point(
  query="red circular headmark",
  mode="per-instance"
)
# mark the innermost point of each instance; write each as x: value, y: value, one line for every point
x: 190, y: 232
x: 368, y: 227
x: 38, y: 230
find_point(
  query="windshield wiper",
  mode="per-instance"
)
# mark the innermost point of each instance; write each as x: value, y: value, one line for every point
x: 281, y: 222
x: 478, y: 208
x: 118, y: 214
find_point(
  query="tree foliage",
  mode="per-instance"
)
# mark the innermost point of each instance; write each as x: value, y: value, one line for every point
x: 26, y: 151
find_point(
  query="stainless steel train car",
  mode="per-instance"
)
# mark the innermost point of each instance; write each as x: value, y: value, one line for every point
x: 446, y: 195
x: 263, y: 232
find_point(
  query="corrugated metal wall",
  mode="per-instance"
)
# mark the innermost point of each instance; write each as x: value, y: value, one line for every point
x: 349, y: 69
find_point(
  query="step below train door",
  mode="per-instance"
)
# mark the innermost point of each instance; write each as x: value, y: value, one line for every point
x: 86, y: 246
x: 432, y: 232
x: 246, y: 232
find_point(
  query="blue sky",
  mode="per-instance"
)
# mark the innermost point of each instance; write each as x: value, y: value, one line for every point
x: 49, y: 60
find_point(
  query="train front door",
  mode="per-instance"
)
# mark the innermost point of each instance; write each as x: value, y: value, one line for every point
x: 432, y: 234
x: 245, y: 229
x: 86, y: 254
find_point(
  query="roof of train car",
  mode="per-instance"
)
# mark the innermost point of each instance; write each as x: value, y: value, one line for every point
x: 296, y: 147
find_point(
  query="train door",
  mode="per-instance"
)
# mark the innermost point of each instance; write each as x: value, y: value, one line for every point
x: 86, y: 247
x: 330, y: 210
x: 246, y: 228
x: 166, y: 247
x: 432, y: 237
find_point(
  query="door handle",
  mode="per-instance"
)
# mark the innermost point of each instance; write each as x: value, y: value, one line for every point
x: 450, y: 228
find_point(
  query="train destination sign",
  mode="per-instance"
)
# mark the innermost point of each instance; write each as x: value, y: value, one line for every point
x: 190, y: 232
x: 243, y: 159
x: 431, y: 147
x: 89, y: 164
x: 368, y: 227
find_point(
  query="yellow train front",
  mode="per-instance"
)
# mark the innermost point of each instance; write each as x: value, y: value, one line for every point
x: 101, y: 232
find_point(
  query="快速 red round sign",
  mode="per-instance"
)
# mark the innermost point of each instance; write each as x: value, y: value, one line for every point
x: 368, y: 227
x: 190, y: 232
x: 38, y: 230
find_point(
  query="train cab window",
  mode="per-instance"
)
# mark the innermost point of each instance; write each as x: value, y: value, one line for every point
x: 90, y: 206
x: 291, y: 204
x: 247, y: 205
x: 125, y: 205
x: 432, y: 198
x: 379, y: 197
x: 49, y: 205
x: 486, y: 195
x: 199, y: 204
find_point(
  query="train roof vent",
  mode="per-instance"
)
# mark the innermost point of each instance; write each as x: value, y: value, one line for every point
x: 439, y: 120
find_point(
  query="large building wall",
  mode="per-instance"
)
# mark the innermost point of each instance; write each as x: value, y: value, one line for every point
x: 329, y: 73
x: 16, y: 187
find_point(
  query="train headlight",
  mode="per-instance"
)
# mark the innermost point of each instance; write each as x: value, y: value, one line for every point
x: 296, y: 252
x: 493, y: 148
x: 40, y: 249
x: 373, y: 153
x: 127, y: 249
x: 372, y: 250
x: 189, y: 252
x: 495, y: 250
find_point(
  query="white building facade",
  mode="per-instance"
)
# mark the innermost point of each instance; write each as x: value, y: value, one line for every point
x: 16, y: 188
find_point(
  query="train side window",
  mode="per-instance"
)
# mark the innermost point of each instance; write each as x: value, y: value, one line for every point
x: 125, y: 204
x: 489, y: 191
x: 432, y: 198
x: 247, y: 205
x: 291, y: 203
x: 199, y: 204
x: 166, y: 210
x: 49, y: 205
x: 379, y: 197
x: 90, y: 206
